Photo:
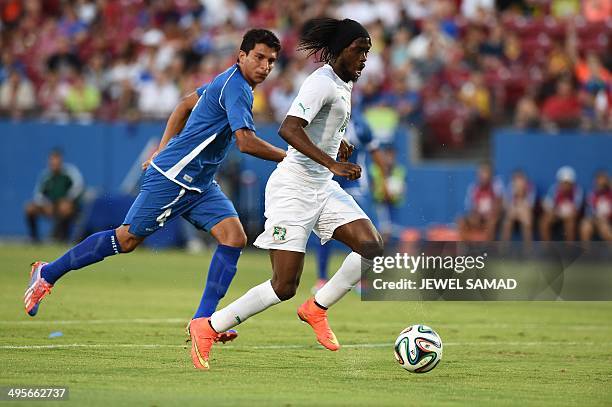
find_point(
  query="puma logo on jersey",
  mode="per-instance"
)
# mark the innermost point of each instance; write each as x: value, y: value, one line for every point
x: 303, y: 108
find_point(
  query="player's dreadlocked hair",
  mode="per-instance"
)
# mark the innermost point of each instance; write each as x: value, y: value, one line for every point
x: 325, y: 38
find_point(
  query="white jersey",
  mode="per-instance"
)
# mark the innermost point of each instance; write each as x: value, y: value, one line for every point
x: 324, y: 101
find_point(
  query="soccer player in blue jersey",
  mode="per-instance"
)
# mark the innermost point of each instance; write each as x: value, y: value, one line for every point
x: 179, y: 179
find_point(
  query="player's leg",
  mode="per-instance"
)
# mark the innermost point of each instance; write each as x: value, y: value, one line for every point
x: 366, y: 243
x: 287, y: 267
x: 341, y: 219
x: 158, y: 202
x: 323, y: 254
x: 215, y: 213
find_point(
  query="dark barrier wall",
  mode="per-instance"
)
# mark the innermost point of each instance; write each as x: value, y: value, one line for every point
x: 105, y: 154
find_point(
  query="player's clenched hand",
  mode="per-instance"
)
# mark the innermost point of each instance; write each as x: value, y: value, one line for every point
x: 345, y: 151
x: 145, y: 164
x: 347, y: 170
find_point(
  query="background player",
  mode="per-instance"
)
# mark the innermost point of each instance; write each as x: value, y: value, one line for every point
x: 301, y: 197
x: 179, y: 180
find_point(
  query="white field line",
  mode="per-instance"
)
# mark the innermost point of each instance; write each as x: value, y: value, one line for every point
x: 170, y: 321
x: 273, y: 347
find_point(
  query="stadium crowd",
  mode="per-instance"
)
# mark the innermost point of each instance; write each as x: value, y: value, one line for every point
x: 450, y: 67
x: 564, y: 212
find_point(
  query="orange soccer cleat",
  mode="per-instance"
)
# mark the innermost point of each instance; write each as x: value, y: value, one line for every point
x: 203, y: 336
x: 316, y: 317
x: 37, y: 289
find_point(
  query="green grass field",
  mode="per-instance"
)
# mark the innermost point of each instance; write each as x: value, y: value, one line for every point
x: 123, y: 343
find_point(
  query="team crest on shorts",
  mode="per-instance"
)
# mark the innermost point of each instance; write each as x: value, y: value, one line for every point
x: 279, y: 233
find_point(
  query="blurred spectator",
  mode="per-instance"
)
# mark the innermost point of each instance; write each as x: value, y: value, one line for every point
x: 56, y: 195
x: 388, y: 190
x: 477, y: 10
x: 598, y: 217
x: 596, y: 10
x: 476, y: 96
x: 64, y: 59
x: 51, y: 96
x: 17, y: 96
x: 483, y: 203
x: 564, y: 8
x: 562, y: 110
x: 158, y: 97
x: 527, y: 114
x: 82, y: 99
x: 431, y: 39
x: 562, y: 204
x: 519, y: 201
x: 281, y: 97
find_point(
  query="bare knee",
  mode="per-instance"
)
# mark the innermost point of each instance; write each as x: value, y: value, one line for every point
x: 371, y: 247
x: 127, y: 241
x: 229, y: 232
x: 235, y: 238
x: 284, y: 289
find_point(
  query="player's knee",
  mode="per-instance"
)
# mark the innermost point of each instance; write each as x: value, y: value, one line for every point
x: 236, y: 239
x: 127, y: 241
x: 372, y: 247
x: 284, y: 290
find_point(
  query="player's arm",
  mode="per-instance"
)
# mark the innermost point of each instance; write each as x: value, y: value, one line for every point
x: 176, y: 123
x: 292, y: 131
x: 345, y: 151
x: 379, y: 160
x: 248, y: 142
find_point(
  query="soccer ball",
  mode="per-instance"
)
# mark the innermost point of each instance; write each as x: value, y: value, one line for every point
x: 418, y: 349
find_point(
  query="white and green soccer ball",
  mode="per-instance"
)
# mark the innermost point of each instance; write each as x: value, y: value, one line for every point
x: 418, y: 349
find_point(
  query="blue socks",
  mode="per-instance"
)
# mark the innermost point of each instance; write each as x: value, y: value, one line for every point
x: 323, y: 260
x: 220, y: 275
x: 91, y: 250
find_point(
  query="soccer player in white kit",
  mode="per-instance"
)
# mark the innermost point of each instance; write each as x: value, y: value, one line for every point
x: 301, y: 196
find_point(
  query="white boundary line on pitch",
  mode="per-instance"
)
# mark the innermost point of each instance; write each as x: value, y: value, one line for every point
x: 184, y: 321
x: 276, y: 347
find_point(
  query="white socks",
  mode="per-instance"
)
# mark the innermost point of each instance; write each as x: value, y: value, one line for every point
x: 343, y: 281
x: 253, y: 302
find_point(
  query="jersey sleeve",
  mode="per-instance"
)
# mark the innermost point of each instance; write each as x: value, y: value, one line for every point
x: 239, y: 108
x: 200, y: 91
x: 315, y: 92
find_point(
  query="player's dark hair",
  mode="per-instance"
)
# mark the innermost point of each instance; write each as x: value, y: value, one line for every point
x: 259, y: 36
x: 325, y: 38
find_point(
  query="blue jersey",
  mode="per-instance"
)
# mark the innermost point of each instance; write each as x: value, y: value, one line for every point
x: 360, y: 135
x: 225, y: 105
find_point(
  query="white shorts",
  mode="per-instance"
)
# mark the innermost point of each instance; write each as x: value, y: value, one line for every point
x: 294, y: 208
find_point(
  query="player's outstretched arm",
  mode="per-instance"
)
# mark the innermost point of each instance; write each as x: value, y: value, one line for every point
x: 292, y: 131
x: 175, y: 123
x: 248, y: 142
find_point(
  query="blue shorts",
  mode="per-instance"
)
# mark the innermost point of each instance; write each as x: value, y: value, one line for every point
x: 161, y: 200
